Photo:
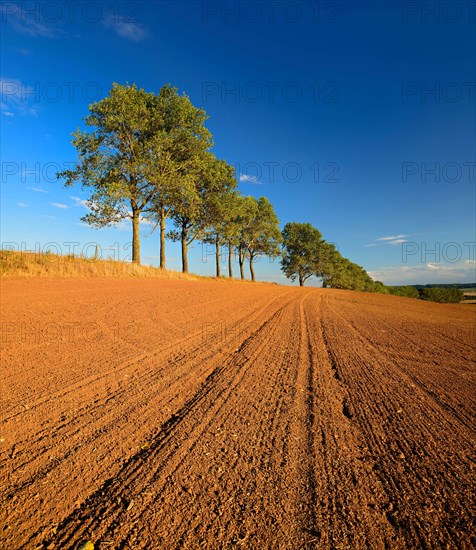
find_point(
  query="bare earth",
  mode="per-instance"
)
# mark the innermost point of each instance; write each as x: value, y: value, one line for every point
x: 179, y: 414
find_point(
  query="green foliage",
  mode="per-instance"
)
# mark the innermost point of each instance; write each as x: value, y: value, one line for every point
x: 259, y: 227
x: 140, y: 146
x: 302, y: 251
x: 379, y: 287
x: 306, y: 253
x: 220, y: 204
x: 442, y: 295
x: 406, y: 291
x: 259, y: 232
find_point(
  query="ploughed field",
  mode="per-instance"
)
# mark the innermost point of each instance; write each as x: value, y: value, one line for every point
x: 183, y: 414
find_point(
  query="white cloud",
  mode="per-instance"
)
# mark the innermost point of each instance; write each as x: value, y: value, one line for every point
x: 59, y: 205
x: 393, y: 240
x: 17, y: 97
x: 126, y: 29
x: 394, y: 237
x: 431, y: 272
x: 398, y: 241
x: 245, y: 178
x: 77, y: 201
x: 28, y: 19
x: 37, y: 190
x: 22, y: 205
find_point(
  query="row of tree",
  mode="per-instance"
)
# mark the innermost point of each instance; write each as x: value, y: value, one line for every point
x: 147, y: 157
x: 306, y: 254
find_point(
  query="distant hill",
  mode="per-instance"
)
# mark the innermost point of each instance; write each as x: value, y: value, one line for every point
x: 446, y: 285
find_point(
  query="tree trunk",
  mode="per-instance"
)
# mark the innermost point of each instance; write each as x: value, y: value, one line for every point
x: 252, y: 271
x: 301, y: 280
x: 135, y: 236
x: 241, y: 260
x: 184, y: 250
x: 217, y: 256
x: 230, y: 260
x: 162, y: 238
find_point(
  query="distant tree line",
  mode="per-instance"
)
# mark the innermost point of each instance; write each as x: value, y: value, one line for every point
x: 406, y: 291
x: 445, y: 294
x: 442, y: 295
x: 305, y: 254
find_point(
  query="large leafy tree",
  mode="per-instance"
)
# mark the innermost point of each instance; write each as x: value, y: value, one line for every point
x: 302, y: 250
x: 114, y: 156
x: 138, y: 157
x: 174, y: 149
x: 260, y: 233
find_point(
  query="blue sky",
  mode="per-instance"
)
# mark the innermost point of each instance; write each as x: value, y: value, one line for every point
x: 356, y: 116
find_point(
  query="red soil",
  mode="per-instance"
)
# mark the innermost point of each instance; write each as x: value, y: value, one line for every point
x: 175, y: 414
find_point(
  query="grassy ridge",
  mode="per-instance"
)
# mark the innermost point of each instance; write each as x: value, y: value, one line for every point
x: 30, y: 264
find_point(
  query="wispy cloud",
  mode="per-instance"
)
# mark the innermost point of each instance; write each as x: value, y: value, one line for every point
x: 130, y: 30
x: 59, y: 205
x: 245, y: 178
x: 394, y: 240
x: 22, y: 205
x: 16, y: 98
x: 29, y: 20
x: 398, y: 241
x: 77, y: 201
x: 37, y: 190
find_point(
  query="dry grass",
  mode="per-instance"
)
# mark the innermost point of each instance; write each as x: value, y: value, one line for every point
x: 27, y: 264
x: 30, y: 264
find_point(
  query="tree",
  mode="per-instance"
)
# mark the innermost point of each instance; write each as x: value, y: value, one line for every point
x: 406, y: 291
x: 232, y: 228
x: 302, y: 247
x: 260, y: 234
x: 177, y: 143
x: 207, y: 177
x: 219, y: 213
x: 442, y: 295
x: 114, y: 156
